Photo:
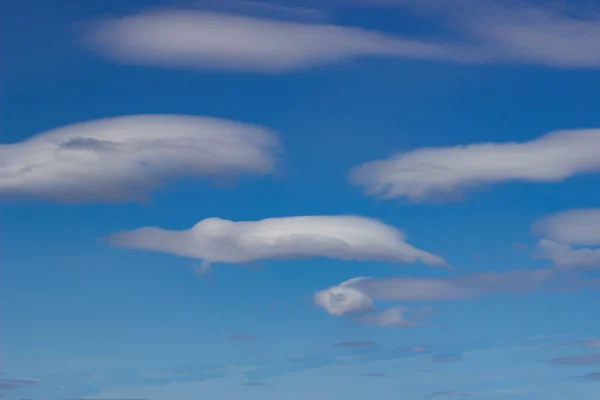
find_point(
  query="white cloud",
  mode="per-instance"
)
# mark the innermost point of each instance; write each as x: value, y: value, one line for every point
x: 342, y: 299
x: 430, y: 173
x: 342, y: 237
x: 564, y: 230
x: 577, y: 227
x: 124, y: 158
x: 491, y: 34
x: 196, y: 39
x: 565, y: 256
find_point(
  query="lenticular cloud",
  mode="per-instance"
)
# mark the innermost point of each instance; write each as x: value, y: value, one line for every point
x: 431, y: 173
x: 124, y: 158
x: 341, y: 237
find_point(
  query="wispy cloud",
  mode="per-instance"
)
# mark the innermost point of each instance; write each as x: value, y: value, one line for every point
x: 242, y: 337
x: 594, y: 376
x: 583, y: 359
x: 355, y: 345
x: 356, y: 296
x: 10, y: 384
x: 341, y: 237
x: 399, y: 316
x: 491, y: 34
x: 376, y: 375
x: 443, y: 395
x: 255, y: 384
x: 446, y: 358
x: 124, y: 158
x: 446, y: 173
x: 584, y: 342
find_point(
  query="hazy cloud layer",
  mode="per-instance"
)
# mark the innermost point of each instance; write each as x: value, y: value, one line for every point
x: 583, y: 359
x: 563, y: 231
x: 489, y: 33
x: 446, y: 358
x: 449, y: 172
x: 399, y: 316
x: 342, y: 237
x: 124, y: 158
x: 586, y: 343
x: 594, y: 376
x: 242, y: 337
x: 445, y: 395
x: 355, y: 345
x: 11, y: 384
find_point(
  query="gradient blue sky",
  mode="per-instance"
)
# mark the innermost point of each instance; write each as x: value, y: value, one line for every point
x: 82, y: 319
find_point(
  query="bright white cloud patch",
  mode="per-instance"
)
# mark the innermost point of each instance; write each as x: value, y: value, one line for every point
x: 342, y: 237
x: 491, y: 34
x: 118, y: 159
x: 433, y: 173
x: 195, y: 39
x: 563, y: 231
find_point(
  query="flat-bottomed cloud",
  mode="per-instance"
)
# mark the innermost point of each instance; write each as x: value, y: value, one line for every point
x: 342, y: 237
x: 124, y: 158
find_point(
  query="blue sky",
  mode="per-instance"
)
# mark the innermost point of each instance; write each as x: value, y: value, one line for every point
x: 447, y: 153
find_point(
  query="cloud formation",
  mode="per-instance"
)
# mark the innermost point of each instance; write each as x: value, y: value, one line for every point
x: 242, y: 337
x: 594, y: 376
x: 356, y: 296
x: 124, y: 158
x: 488, y: 32
x: 586, y: 342
x: 399, y: 316
x: 210, y: 40
x: 355, y: 345
x: 562, y: 231
x: 446, y: 358
x: 11, y: 384
x: 449, y: 172
x: 341, y: 237
x: 440, y: 395
x: 583, y: 359
x: 577, y: 227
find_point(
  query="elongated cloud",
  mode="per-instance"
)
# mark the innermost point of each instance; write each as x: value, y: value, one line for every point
x: 583, y: 359
x: 577, y: 227
x: 356, y: 296
x: 341, y: 237
x: 562, y: 231
x: 446, y: 395
x: 195, y: 39
x: 124, y: 158
x: 490, y: 34
x: 448, y: 172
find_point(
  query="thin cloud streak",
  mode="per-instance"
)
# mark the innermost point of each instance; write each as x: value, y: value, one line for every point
x: 580, y: 360
x: 355, y: 297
